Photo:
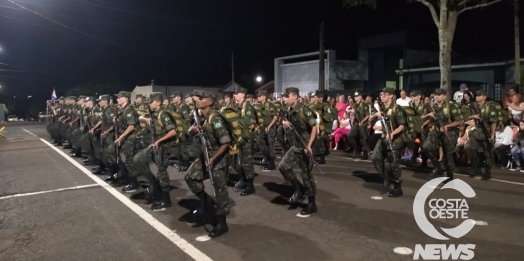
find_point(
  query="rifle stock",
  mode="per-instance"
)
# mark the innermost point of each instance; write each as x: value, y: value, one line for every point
x: 203, y: 144
x: 380, y: 108
x: 115, y: 128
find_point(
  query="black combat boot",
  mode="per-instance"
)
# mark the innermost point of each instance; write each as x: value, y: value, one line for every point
x: 310, y: 208
x: 250, y: 188
x: 68, y: 146
x: 487, y: 174
x: 201, y: 210
x: 132, y: 186
x: 241, y: 184
x: 164, y: 203
x: 396, y: 191
x: 270, y: 165
x: 87, y: 161
x: 365, y: 155
x: 437, y: 168
x: 220, y: 228
x: 321, y: 159
x: 77, y: 153
x: 113, y: 171
x: 297, y: 196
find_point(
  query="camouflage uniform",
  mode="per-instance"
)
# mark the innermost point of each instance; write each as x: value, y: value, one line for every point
x: 419, y: 108
x: 296, y: 154
x: 447, y: 113
x: 359, y: 132
x: 477, y: 139
x: 267, y: 139
x: 384, y: 160
x: 216, y: 134
x: 246, y: 154
x: 107, y: 143
x: 319, y: 149
x: 127, y: 117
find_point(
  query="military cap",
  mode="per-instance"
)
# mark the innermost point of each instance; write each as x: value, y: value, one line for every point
x: 82, y: 97
x: 89, y: 98
x: 175, y: 94
x: 196, y: 92
x: 250, y: 96
x: 318, y: 93
x: 292, y: 89
x: 61, y: 98
x: 481, y: 93
x: 72, y: 97
x: 156, y: 96
x: 227, y: 95
x: 189, y: 95
x: 357, y: 94
x: 207, y: 94
x: 389, y: 91
x: 440, y: 92
x: 123, y: 94
x: 241, y: 90
x: 106, y: 97
x: 285, y: 94
x: 262, y: 93
x: 415, y: 93
x: 139, y: 96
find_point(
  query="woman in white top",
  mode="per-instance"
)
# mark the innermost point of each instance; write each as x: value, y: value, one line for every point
x: 342, y: 130
x: 516, y: 108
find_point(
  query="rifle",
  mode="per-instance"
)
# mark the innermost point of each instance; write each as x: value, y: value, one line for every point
x: 115, y: 127
x: 152, y: 133
x: 379, y: 106
x: 430, y: 109
x: 474, y: 107
x: 311, y: 158
x: 203, y: 143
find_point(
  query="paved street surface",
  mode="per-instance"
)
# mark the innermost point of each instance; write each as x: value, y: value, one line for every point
x: 78, y: 219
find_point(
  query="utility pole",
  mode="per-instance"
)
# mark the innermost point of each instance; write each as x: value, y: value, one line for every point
x: 321, y: 67
x: 517, y: 48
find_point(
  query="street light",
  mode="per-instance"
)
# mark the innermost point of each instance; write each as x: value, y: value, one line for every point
x: 29, y: 96
x: 259, y: 79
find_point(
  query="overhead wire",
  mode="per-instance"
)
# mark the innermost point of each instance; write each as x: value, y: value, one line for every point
x: 86, y: 34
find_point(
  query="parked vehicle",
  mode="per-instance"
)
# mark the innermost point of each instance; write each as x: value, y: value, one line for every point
x: 12, y: 118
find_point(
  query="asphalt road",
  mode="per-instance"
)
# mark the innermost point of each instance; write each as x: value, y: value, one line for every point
x: 87, y: 221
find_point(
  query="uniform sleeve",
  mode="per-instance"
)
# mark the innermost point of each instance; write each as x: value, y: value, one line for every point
x: 185, y: 111
x: 250, y: 112
x: 272, y: 110
x: 220, y: 130
x: 167, y: 121
x: 311, y: 117
x: 366, y: 109
x: 131, y: 117
x: 400, y: 118
x: 456, y: 114
x: 492, y: 117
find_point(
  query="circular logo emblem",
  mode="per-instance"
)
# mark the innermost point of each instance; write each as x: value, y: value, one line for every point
x: 443, y: 208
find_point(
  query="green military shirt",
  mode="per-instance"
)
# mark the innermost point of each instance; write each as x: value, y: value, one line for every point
x: 217, y: 134
x: 419, y: 108
x: 447, y: 113
x: 163, y: 122
x: 488, y: 114
x: 396, y: 118
x: 128, y: 116
x: 183, y: 109
x: 303, y: 120
x: 191, y: 106
x: 217, y: 106
x: 362, y: 109
x: 107, y: 117
x: 94, y: 116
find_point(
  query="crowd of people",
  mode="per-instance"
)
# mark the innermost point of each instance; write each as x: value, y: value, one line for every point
x: 206, y: 136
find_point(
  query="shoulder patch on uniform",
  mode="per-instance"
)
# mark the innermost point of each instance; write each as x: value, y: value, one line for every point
x: 454, y: 111
x: 128, y: 115
x: 493, y: 113
x: 308, y: 113
x: 248, y: 112
x: 218, y: 125
x: 111, y: 115
x: 166, y: 118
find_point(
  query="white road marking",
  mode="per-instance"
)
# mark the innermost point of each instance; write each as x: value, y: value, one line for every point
x: 29, y: 132
x: 49, y: 191
x: 168, y: 233
x: 376, y: 198
x: 499, y: 180
x: 403, y: 251
x: 479, y: 223
x: 203, y: 238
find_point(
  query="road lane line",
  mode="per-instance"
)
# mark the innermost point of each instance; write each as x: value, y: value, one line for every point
x: 168, y: 233
x: 29, y: 132
x: 49, y: 191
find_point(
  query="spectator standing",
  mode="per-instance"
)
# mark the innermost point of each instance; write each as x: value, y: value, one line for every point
x: 509, y: 97
x: 515, y: 107
x: 404, y: 100
x: 341, y: 106
x: 460, y: 93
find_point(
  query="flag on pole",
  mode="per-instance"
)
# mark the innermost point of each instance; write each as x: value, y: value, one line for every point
x: 53, y: 95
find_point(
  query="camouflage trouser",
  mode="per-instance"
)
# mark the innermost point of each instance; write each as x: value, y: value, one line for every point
x: 197, y: 173
x: 180, y: 154
x: 85, y: 142
x: 259, y: 142
x: 128, y: 149
x: 140, y: 164
x: 386, y: 160
x: 358, y: 133
x: 477, y: 140
x: 97, y: 146
x: 270, y: 141
x: 246, y: 160
x: 293, y: 157
x: 108, y: 151
x: 435, y: 140
x: 319, y: 147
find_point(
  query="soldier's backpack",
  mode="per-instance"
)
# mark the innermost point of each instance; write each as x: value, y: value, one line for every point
x: 452, y: 105
x: 502, y: 115
x: 414, y: 122
x: 330, y: 115
x: 182, y: 126
x: 263, y: 116
x: 237, y: 128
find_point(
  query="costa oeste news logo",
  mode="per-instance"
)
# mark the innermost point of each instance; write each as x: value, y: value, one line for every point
x: 442, y: 209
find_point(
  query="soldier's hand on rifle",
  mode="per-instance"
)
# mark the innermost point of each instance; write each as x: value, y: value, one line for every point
x: 476, y: 117
x: 71, y: 124
x: 492, y: 138
x: 378, y: 114
x: 308, y: 150
x: 91, y: 131
x: 432, y: 115
x: 210, y: 162
x: 443, y: 129
x: 267, y: 129
x: 117, y: 141
x: 156, y: 144
x: 286, y: 124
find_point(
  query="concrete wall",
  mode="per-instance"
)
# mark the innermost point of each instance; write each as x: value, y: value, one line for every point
x: 148, y: 89
x: 416, y: 57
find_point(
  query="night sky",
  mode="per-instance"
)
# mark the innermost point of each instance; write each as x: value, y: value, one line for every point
x: 186, y: 42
